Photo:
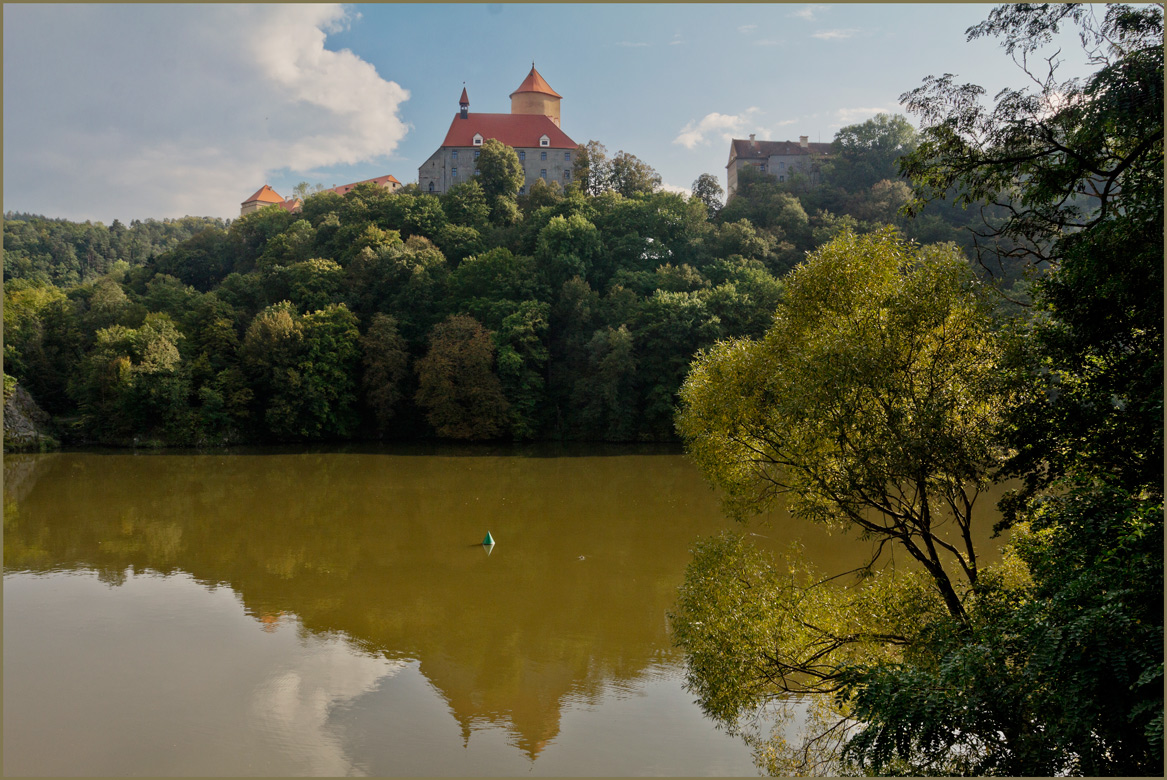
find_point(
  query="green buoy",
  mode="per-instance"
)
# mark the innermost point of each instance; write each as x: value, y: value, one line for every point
x: 489, y: 540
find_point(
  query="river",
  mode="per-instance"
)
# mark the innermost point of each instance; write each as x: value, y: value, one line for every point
x: 333, y: 612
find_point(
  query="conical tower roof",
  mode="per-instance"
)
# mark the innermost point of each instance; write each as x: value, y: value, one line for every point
x: 465, y: 99
x: 535, y: 83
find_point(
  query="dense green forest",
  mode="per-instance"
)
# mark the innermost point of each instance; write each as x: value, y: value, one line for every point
x: 477, y: 314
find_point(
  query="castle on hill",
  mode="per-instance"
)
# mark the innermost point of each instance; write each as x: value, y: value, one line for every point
x: 531, y: 128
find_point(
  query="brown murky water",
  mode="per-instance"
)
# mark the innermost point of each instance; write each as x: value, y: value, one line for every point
x: 333, y: 613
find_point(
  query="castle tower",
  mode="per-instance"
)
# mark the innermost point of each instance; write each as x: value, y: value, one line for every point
x: 464, y: 104
x: 535, y: 96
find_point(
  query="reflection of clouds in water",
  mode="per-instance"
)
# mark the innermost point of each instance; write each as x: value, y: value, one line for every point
x: 293, y: 704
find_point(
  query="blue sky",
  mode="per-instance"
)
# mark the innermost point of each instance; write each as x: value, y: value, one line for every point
x: 136, y: 111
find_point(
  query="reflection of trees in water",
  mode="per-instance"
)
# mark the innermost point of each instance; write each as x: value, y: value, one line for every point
x: 381, y: 549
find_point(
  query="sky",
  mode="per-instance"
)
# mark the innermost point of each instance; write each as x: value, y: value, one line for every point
x: 136, y: 111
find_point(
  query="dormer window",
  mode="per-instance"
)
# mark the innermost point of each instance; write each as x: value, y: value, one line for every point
x: 478, y: 139
x: 544, y: 140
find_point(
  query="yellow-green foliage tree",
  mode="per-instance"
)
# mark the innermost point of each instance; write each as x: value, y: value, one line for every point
x: 870, y: 403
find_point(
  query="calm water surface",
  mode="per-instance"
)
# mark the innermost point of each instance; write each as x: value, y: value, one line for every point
x: 333, y: 613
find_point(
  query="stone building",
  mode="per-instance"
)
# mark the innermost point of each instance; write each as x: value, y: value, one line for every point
x: 531, y: 128
x: 779, y: 159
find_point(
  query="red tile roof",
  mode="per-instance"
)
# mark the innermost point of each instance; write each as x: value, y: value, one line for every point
x: 521, y: 131
x: 380, y: 180
x: 754, y: 150
x: 264, y: 194
x: 535, y: 83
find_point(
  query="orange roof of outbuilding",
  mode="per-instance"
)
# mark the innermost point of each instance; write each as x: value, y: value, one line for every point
x: 380, y: 180
x: 265, y: 194
x: 515, y: 130
x: 535, y: 83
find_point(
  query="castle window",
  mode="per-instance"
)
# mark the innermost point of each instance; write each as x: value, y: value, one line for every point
x: 476, y: 153
x: 763, y: 167
x: 542, y: 155
x: 454, y: 155
x: 567, y: 156
x: 567, y: 175
x: 522, y: 155
x: 543, y: 174
x: 431, y: 186
x: 477, y: 172
x: 523, y: 190
x: 454, y: 172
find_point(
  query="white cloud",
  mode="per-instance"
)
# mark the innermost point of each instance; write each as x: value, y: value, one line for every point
x: 721, y: 126
x: 677, y: 40
x: 835, y: 35
x: 296, y: 698
x: 747, y: 28
x: 686, y: 191
x: 232, y: 93
x: 632, y: 44
x: 808, y: 12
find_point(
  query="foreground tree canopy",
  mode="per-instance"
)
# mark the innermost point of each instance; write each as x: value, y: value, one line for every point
x: 854, y: 408
x: 872, y: 401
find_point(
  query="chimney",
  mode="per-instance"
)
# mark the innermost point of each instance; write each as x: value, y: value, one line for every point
x: 753, y: 143
x: 803, y: 141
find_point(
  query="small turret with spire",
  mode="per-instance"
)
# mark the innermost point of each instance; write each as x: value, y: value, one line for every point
x: 464, y: 102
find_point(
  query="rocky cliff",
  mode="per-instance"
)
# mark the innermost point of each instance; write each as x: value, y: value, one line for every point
x: 25, y: 424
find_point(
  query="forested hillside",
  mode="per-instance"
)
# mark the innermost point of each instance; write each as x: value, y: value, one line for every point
x: 478, y: 314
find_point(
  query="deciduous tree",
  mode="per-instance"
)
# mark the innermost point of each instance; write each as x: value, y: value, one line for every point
x: 871, y: 402
x: 708, y: 190
x: 629, y: 175
x: 457, y: 384
x: 869, y: 152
